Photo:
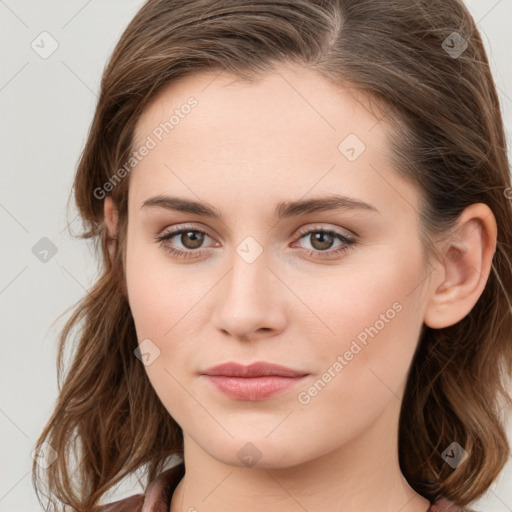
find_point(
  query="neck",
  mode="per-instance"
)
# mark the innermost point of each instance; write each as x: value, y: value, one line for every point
x: 362, y: 475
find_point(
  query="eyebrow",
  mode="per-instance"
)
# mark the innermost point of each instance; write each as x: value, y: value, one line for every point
x: 320, y: 204
x: 283, y: 210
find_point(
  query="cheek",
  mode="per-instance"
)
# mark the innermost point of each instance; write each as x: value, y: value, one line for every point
x: 376, y: 322
x: 159, y: 292
x: 377, y: 291
x: 159, y: 297
x: 165, y: 303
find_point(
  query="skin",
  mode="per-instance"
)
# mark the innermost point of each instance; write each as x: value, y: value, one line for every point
x: 243, y: 149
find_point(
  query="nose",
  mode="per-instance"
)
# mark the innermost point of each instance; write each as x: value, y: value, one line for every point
x: 250, y: 301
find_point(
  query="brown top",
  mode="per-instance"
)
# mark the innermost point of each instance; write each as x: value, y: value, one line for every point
x: 157, y: 497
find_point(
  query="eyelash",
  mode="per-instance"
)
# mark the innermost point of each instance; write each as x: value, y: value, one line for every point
x: 348, y: 241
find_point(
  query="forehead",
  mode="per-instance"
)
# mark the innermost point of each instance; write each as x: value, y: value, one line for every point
x: 267, y: 103
x: 288, y: 130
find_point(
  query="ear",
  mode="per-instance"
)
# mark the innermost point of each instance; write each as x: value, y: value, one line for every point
x: 111, y: 219
x: 467, y: 258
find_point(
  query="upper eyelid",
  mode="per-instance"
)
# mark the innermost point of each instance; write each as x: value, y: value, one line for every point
x: 176, y: 230
x: 320, y: 227
x: 302, y: 231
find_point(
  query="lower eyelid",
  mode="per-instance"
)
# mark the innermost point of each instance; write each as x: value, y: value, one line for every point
x: 347, y: 242
x: 339, y: 236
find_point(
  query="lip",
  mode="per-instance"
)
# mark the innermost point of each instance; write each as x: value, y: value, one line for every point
x: 258, y: 369
x: 256, y: 382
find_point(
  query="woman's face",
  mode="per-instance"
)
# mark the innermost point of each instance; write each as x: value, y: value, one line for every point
x: 272, y: 278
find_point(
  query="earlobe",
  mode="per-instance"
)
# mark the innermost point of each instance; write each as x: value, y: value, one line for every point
x: 110, y: 219
x: 459, y: 282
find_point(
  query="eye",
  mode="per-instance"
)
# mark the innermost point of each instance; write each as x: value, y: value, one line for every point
x: 191, y: 239
x: 321, y: 240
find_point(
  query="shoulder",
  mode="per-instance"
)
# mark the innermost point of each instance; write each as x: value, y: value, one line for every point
x: 131, y: 504
x: 445, y: 505
x: 157, y: 495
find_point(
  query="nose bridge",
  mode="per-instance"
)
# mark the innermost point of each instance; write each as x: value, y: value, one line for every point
x: 248, y: 280
x: 248, y: 300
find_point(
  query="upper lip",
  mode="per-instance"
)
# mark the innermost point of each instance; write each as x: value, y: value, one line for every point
x: 258, y: 369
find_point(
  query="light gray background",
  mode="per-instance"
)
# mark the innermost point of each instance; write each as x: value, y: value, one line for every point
x: 47, y: 106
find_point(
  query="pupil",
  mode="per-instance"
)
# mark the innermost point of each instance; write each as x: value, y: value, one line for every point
x: 197, y: 239
x: 322, y: 241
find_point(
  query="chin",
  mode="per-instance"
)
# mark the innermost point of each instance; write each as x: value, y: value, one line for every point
x: 259, y: 453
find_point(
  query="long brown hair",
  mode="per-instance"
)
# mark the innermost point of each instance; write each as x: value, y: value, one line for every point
x: 446, y: 132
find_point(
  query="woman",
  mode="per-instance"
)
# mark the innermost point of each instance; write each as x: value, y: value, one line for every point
x: 303, y: 211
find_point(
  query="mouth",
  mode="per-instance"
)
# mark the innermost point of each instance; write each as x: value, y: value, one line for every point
x: 252, y: 388
x: 258, y: 369
x: 255, y: 382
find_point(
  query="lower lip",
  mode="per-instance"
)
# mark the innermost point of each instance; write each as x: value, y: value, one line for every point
x: 253, y: 388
